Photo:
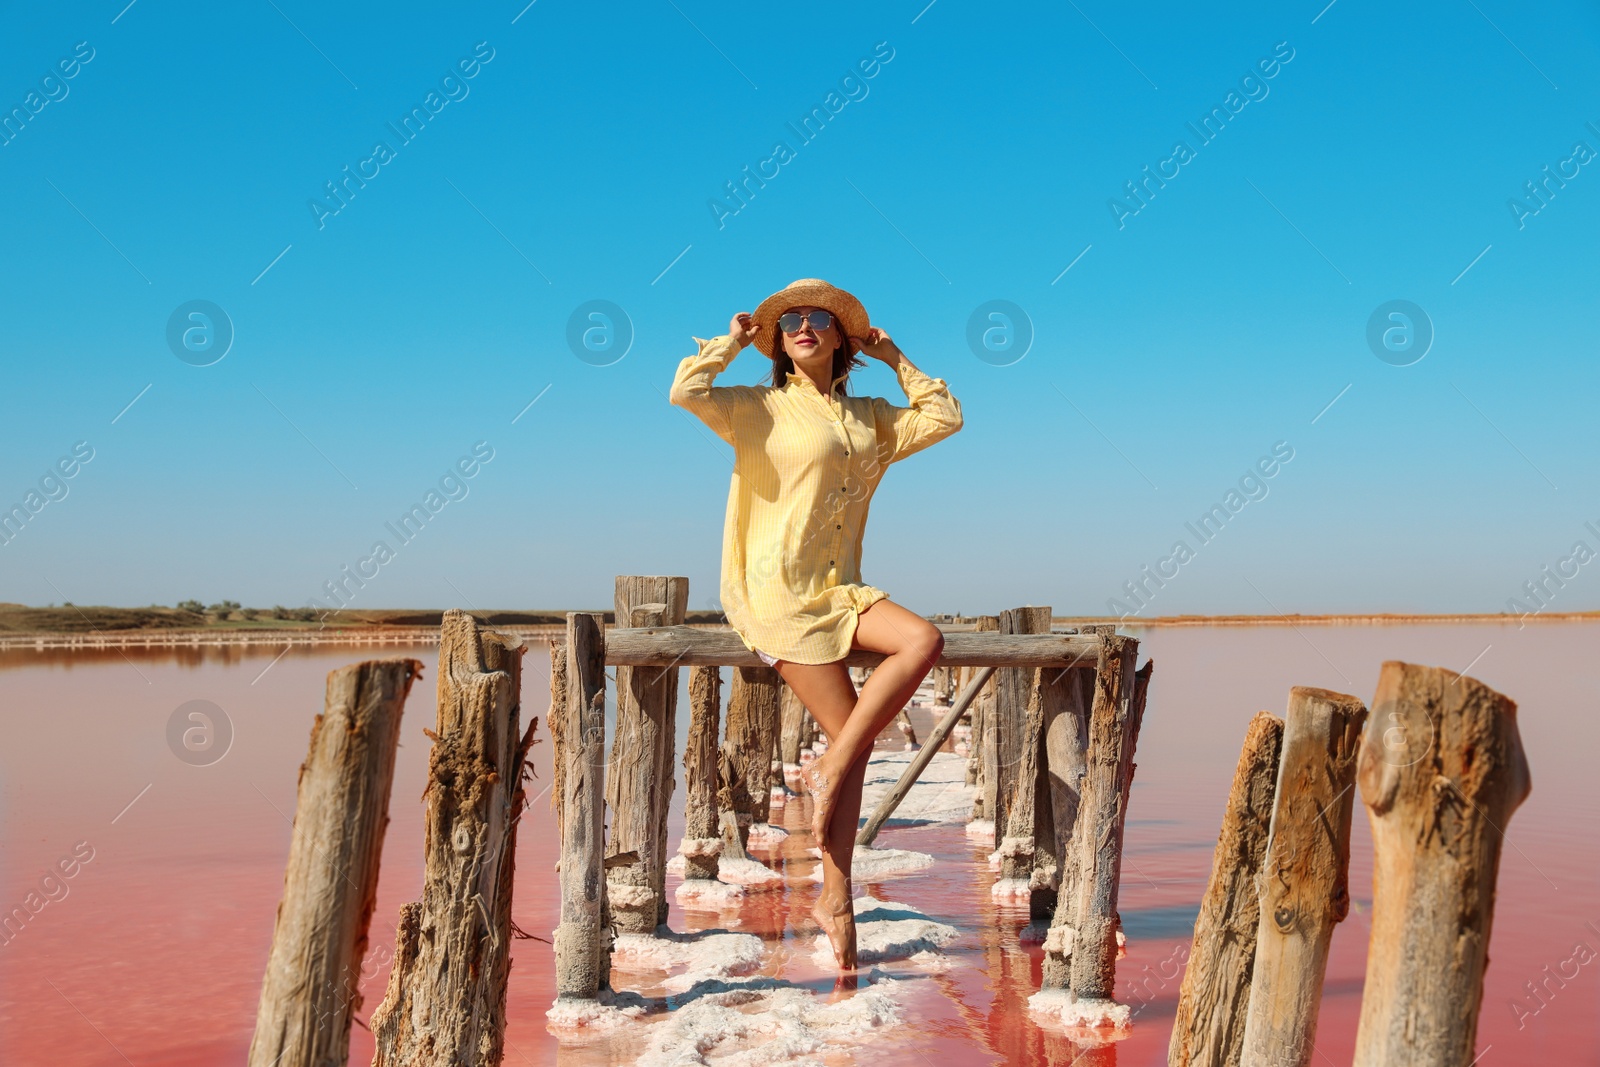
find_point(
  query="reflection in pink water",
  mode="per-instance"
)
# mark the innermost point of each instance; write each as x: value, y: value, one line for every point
x: 151, y: 950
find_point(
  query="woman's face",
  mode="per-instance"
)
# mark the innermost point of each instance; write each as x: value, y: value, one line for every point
x: 809, y: 343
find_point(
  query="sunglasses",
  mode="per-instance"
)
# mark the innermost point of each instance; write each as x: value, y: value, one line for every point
x: 790, y: 321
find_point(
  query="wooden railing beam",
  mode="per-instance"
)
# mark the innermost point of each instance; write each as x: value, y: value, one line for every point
x: 688, y: 646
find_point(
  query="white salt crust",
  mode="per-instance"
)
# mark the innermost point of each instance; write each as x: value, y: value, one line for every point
x: 719, y: 1017
x: 752, y: 875
x: 940, y: 795
x: 870, y: 864
x: 1058, y: 938
x: 703, y: 955
x: 1015, y: 848
x: 1090, y: 1014
x: 610, y: 1011
x: 703, y: 894
x: 1011, y: 890
x: 756, y: 1022
x: 730, y: 1020
x: 887, y: 932
x: 765, y: 835
x: 699, y: 847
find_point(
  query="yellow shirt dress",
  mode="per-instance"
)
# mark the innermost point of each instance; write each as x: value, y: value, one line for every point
x: 804, y: 471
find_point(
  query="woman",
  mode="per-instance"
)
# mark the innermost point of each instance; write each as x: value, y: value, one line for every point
x: 807, y: 458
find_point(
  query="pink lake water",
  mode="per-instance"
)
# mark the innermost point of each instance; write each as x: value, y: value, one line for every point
x: 151, y: 953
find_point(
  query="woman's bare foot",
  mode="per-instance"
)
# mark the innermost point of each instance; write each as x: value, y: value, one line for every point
x: 836, y: 914
x: 820, y: 781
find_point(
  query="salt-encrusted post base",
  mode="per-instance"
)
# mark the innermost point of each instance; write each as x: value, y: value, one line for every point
x: 1110, y: 1020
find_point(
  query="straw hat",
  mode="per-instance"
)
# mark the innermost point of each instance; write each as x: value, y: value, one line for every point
x: 813, y: 292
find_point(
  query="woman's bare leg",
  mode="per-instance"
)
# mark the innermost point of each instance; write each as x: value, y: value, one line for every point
x: 827, y: 692
x: 911, y: 645
x: 835, y: 908
x: 852, y: 721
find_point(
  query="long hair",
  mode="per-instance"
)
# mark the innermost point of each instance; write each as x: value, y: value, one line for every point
x: 845, y: 359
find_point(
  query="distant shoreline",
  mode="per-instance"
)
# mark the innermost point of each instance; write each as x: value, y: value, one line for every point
x: 101, y: 627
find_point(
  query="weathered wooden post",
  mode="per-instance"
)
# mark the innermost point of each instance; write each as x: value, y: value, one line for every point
x: 556, y: 719
x: 1069, y: 697
x: 445, y: 1002
x: 809, y: 732
x: 1064, y: 695
x: 701, y: 843
x: 791, y: 738
x: 1081, y: 947
x: 1304, y: 881
x: 966, y: 729
x: 647, y: 697
x: 312, y: 984
x: 1107, y: 786
x: 908, y: 731
x: 582, y: 961
x: 985, y: 802
x: 1209, y: 1028
x: 1013, y: 746
x: 640, y: 783
x: 753, y: 715
x: 633, y: 793
x: 1020, y: 856
x: 1441, y: 772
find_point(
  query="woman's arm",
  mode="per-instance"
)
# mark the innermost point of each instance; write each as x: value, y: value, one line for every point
x: 933, y: 413
x: 692, y: 389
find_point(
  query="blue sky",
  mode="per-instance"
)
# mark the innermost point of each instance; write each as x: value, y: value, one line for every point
x: 374, y: 347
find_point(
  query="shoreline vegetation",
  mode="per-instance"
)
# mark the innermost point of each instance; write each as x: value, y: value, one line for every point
x: 222, y: 623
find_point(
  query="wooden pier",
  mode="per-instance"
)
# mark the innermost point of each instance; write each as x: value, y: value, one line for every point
x: 1051, y: 721
x: 1060, y: 724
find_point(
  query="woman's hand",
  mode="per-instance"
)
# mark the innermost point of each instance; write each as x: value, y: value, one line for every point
x: 879, y: 345
x: 742, y: 328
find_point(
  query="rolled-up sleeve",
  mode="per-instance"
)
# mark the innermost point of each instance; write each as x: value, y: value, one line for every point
x: 932, y: 416
x: 692, y: 387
